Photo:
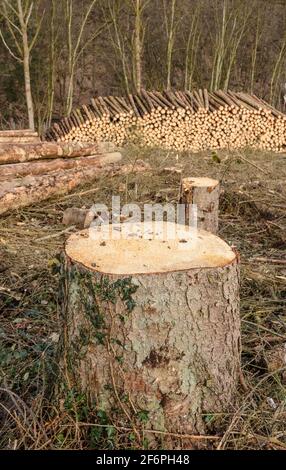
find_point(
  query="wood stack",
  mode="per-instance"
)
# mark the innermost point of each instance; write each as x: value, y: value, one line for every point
x: 177, y: 120
x: 30, y: 173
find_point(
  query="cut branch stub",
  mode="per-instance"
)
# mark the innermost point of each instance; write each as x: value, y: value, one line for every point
x: 152, y: 325
x: 204, y: 193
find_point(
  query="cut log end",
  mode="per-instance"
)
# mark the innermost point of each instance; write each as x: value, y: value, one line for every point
x: 203, y: 182
x: 147, y: 248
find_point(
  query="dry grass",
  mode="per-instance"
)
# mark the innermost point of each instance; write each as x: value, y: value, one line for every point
x: 252, y: 218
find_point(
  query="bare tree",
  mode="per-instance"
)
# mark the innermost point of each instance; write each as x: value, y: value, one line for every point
x: 19, y: 24
x: 171, y: 26
x: 138, y: 41
x: 75, y: 44
x: 118, y: 39
x: 192, y: 49
x: 52, y: 64
x: 258, y: 35
x: 230, y: 26
x: 127, y: 35
x: 276, y: 73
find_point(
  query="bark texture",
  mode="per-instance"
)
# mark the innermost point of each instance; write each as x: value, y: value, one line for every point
x: 16, y: 136
x: 32, y: 189
x: 26, y: 48
x: 25, y: 191
x: 10, y: 153
x: 167, y: 344
x: 45, y: 166
x: 19, y: 140
x: 204, y: 192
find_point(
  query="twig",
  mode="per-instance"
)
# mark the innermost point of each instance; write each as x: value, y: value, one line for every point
x: 81, y: 193
x: 153, y: 431
x: 242, y: 381
x: 56, y: 235
x: 253, y: 164
x: 240, y: 409
x: 263, y: 328
x: 268, y: 260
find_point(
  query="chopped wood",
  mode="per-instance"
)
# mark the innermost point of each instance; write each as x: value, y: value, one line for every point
x: 22, y: 192
x: 81, y: 218
x: 17, y: 153
x: 16, y: 170
x: 179, y: 120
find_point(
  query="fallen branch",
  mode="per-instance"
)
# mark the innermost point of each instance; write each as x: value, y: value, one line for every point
x: 268, y: 260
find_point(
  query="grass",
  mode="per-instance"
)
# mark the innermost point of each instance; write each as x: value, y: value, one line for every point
x: 252, y: 218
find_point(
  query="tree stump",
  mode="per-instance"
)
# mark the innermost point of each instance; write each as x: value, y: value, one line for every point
x: 204, y: 192
x: 152, y: 326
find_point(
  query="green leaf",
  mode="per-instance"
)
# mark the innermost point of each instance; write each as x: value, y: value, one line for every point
x: 143, y: 416
x: 215, y: 157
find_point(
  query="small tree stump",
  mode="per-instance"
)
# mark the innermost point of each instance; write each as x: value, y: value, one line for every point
x: 204, y: 192
x: 152, y: 327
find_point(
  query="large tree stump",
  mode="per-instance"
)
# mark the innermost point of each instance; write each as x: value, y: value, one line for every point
x: 152, y: 326
x: 204, y: 192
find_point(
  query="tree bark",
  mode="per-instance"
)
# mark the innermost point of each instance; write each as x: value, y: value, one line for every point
x: 204, y: 193
x: 26, y: 65
x: 155, y: 331
x: 24, y: 136
x: 25, y: 191
x: 26, y: 152
x: 45, y: 166
x: 138, y: 46
x: 32, y: 189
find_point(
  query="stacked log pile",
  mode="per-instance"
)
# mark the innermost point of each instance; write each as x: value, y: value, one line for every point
x: 177, y: 120
x: 31, y: 173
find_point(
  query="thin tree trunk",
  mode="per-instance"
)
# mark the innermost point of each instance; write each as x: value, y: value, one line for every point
x: 170, y: 28
x: 26, y: 63
x: 138, y: 47
x: 254, y: 54
x: 51, y: 91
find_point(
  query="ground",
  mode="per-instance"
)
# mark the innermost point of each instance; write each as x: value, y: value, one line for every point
x: 252, y: 218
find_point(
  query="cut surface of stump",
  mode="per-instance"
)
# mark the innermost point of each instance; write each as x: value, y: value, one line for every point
x: 204, y: 193
x: 152, y: 325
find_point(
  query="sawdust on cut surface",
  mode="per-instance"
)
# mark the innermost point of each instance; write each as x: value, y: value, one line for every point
x: 149, y: 247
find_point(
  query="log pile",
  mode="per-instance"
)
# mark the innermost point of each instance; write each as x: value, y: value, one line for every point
x: 177, y: 120
x: 30, y: 173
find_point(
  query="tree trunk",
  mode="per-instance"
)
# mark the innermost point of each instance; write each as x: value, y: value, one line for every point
x: 33, y: 189
x: 29, y: 99
x: 26, y: 152
x: 45, y: 166
x: 23, y: 136
x: 204, y: 193
x: 138, y: 47
x: 152, y: 326
x: 26, y: 65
